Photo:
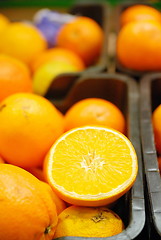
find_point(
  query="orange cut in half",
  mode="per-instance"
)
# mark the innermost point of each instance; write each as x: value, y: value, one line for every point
x: 91, y: 166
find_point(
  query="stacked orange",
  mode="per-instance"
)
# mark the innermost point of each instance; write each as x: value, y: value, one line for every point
x: 80, y: 161
x: 24, y: 42
x: 44, y: 151
x: 138, y: 42
x: 95, y: 152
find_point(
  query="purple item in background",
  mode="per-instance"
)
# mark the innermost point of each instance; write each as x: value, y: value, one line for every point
x: 49, y: 22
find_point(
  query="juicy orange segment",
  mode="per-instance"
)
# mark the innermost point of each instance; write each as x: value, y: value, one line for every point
x: 91, y: 166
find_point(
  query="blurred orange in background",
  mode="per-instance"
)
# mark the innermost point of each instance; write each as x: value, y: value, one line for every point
x: 62, y: 55
x: 84, y: 36
x: 22, y: 40
x: 14, y: 76
x: 139, y: 12
x: 138, y: 45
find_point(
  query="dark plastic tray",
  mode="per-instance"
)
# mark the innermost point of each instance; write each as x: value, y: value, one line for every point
x: 123, y: 92
x: 119, y: 67
x: 97, y: 11
x: 150, y: 92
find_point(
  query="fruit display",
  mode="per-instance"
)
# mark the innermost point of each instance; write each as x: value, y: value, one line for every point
x: 39, y: 43
x: 80, y: 114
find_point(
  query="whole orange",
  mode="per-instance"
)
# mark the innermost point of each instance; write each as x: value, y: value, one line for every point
x: 139, y: 12
x: 22, y: 40
x: 27, y: 207
x: 57, y: 54
x: 29, y: 126
x: 156, y: 120
x: 14, y: 76
x: 84, y: 36
x: 88, y: 222
x: 96, y: 111
x: 138, y: 45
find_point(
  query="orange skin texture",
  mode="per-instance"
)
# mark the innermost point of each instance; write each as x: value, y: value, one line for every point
x: 139, y: 13
x: 84, y: 36
x: 27, y: 206
x: 138, y: 46
x: 60, y: 204
x: 14, y: 77
x: 38, y: 173
x: 57, y: 54
x: 156, y: 120
x: 88, y: 222
x: 29, y: 126
x: 94, y: 111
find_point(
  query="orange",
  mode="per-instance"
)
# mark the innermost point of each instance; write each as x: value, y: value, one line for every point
x: 22, y: 40
x: 38, y: 173
x: 14, y: 77
x: 57, y: 54
x: 88, y: 222
x: 91, y: 166
x: 139, y: 12
x: 159, y: 163
x: 59, y: 203
x: 138, y: 46
x: 84, y: 36
x: 1, y: 160
x: 29, y: 126
x: 94, y: 111
x: 156, y: 120
x: 27, y: 207
x: 4, y: 21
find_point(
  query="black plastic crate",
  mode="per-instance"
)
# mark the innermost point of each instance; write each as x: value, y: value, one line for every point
x: 150, y: 93
x: 123, y: 92
x: 95, y: 10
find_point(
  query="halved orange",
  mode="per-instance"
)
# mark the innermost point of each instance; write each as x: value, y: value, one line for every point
x: 91, y: 166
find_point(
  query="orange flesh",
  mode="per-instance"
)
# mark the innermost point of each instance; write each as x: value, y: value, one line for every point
x: 91, y: 163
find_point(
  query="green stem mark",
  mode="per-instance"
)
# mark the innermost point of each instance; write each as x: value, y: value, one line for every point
x: 47, y: 230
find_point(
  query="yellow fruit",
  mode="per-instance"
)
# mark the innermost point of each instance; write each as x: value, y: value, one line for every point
x: 46, y: 73
x: 22, y: 40
x: 88, y: 222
